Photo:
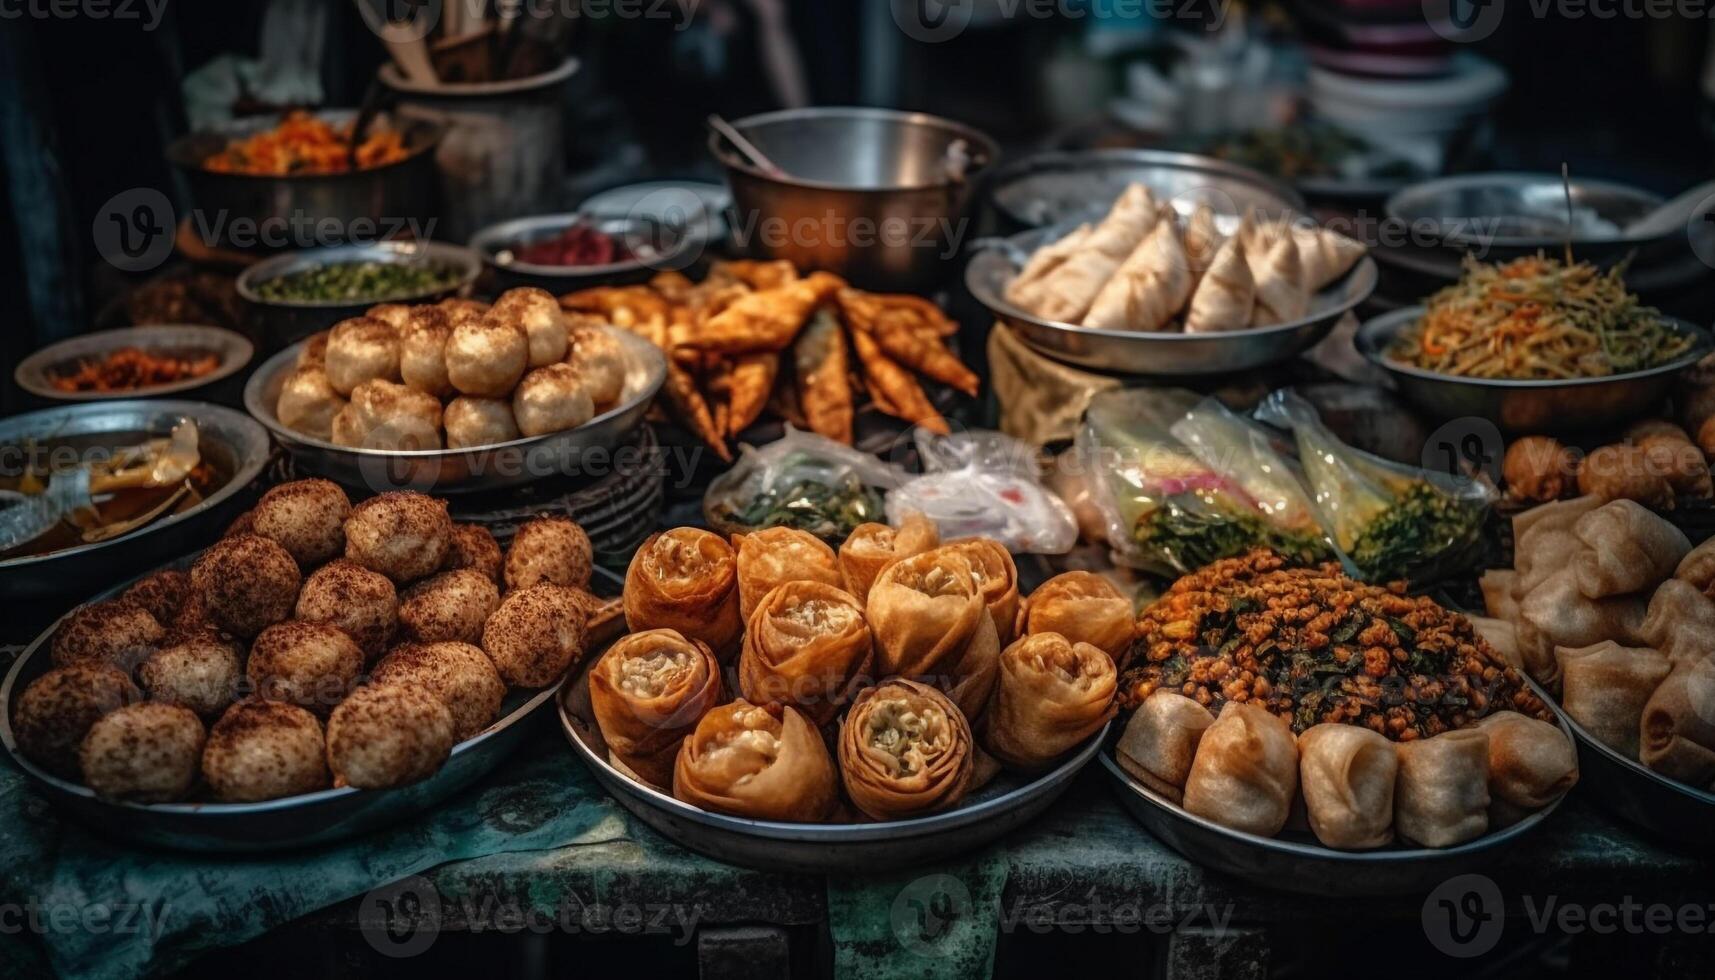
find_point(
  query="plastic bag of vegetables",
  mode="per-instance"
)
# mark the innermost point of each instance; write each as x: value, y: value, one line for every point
x: 801, y: 480
x: 1389, y: 521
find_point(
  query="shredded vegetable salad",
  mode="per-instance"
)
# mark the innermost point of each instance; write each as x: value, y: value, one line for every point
x: 305, y: 144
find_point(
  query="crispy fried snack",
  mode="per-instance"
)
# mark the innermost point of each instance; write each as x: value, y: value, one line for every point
x: 748, y: 384
x: 636, y: 308
x: 895, y: 391
x: 766, y: 320
x: 899, y: 331
x: 755, y: 273
x: 693, y: 409
x: 824, y: 389
x: 674, y: 286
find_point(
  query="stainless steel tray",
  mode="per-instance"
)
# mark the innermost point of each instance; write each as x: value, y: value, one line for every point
x: 233, y: 440
x: 1057, y: 187
x: 1527, y: 406
x: 272, y: 825
x: 496, y: 467
x: 1507, y: 215
x: 1010, y: 801
x: 35, y: 373
x: 997, y: 262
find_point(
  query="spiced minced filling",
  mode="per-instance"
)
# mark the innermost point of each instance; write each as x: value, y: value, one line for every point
x: 1312, y: 646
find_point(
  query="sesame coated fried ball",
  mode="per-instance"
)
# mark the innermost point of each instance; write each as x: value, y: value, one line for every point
x: 118, y: 633
x: 388, y: 735
x: 200, y: 670
x: 362, y: 349
x: 536, y: 634
x: 449, y: 606
x: 473, y: 546
x: 308, y: 402
x: 549, y: 549
x: 389, y: 416
x: 473, y: 421
x: 162, y: 593
x: 458, y: 673
x: 55, y: 712
x: 247, y: 583
x: 599, y: 360
x: 552, y: 399
x: 148, y: 753
x: 263, y: 750
x: 362, y: 603
x: 311, y: 665
x: 486, y: 356
x: 306, y: 517
x: 537, y: 313
x: 423, y: 350
x: 403, y: 535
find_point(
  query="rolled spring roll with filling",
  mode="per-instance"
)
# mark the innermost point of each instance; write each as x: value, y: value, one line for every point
x: 1245, y: 775
x: 1160, y: 742
x: 1442, y: 795
x: 1347, y: 775
x: 1604, y: 688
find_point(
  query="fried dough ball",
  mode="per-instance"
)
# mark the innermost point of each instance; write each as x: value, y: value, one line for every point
x: 306, y: 517
x: 314, y: 352
x: 193, y: 613
x: 461, y: 306
x: 473, y: 546
x: 311, y: 665
x: 246, y: 583
x: 404, y: 535
x: 552, y: 399
x: 395, y: 315
x: 1624, y: 472
x: 363, y: 603
x: 244, y: 523
x: 162, y: 593
x: 388, y: 735
x: 549, y: 549
x: 362, y: 349
x: 148, y: 753
x: 423, y: 350
x: 1682, y: 464
x: 537, y: 313
x: 1539, y: 468
x: 308, y: 403
x: 451, y: 606
x: 486, y: 356
x: 263, y: 750
x: 385, y: 415
x: 459, y: 674
x: 54, y: 713
x: 473, y: 421
x: 536, y: 634
x: 117, y: 633
x: 1645, y: 430
x: 198, y: 669
x: 600, y: 360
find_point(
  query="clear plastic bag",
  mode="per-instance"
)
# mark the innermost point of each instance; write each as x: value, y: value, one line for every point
x: 801, y: 480
x: 1390, y: 521
x: 986, y: 484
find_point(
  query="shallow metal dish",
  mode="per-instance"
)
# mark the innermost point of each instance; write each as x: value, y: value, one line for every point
x: 286, y: 321
x: 997, y: 262
x: 272, y: 825
x: 34, y: 373
x: 230, y: 438
x: 1305, y: 866
x: 1010, y: 801
x: 1527, y: 406
x: 506, y: 464
x: 1060, y: 187
x: 655, y: 245
x: 1502, y: 215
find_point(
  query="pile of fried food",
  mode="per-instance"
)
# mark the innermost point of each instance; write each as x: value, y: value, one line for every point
x: 457, y: 373
x: 321, y: 644
x: 916, y: 660
x: 1610, y: 608
x: 750, y: 324
x: 133, y: 369
x: 306, y: 144
x: 1655, y: 463
x: 1138, y: 270
x: 1388, y: 716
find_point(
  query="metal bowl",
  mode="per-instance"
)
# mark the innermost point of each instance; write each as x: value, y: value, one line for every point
x: 271, y: 825
x: 1010, y: 801
x: 1305, y: 866
x: 574, y: 452
x: 866, y: 195
x: 1070, y: 187
x: 1506, y: 215
x: 35, y: 373
x: 285, y: 321
x: 252, y: 212
x: 997, y: 262
x: 233, y: 441
x: 655, y: 245
x: 1527, y: 406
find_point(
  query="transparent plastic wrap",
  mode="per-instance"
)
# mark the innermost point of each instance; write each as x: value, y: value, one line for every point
x: 801, y: 480
x: 1184, y: 482
x: 986, y: 484
x: 1390, y: 521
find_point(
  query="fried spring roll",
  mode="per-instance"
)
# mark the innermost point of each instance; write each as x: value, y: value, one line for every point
x: 895, y: 391
x: 749, y: 382
x: 692, y: 409
x: 910, y: 345
x: 824, y: 388
x: 768, y: 320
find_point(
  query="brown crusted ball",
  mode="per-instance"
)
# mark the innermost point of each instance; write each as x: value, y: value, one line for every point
x: 119, y: 634
x: 247, y: 582
x: 549, y: 549
x: 457, y: 673
x: 193, y: 613
x: 263, y: 750
x: 162, y: 593
x: 55, y: 712
x: 242, y: 524
x: 451, y: 606
x: 148, y: 753
x: 535, y: 635
x: 200, y: 669
x: 388, y: 735
x: 307, y: 518
x: 403, y: 535
x: 312, y: 665
x: 472, y: 546
x: 362, y: 603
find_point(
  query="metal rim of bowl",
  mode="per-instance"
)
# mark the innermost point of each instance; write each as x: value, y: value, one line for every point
x: 732, y: 161
x: 1103, y: 159
x: 1391, y: 208
x: 394, y: 79
x: 466, y: 262
x: 841, y: 833
x: 235, y: 349
x: 489, y: 240
x: 178, y: 151
x: 1633, y: 766
x: 1376, y: 335
x: 281, y: 362
x: 243, y: 475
